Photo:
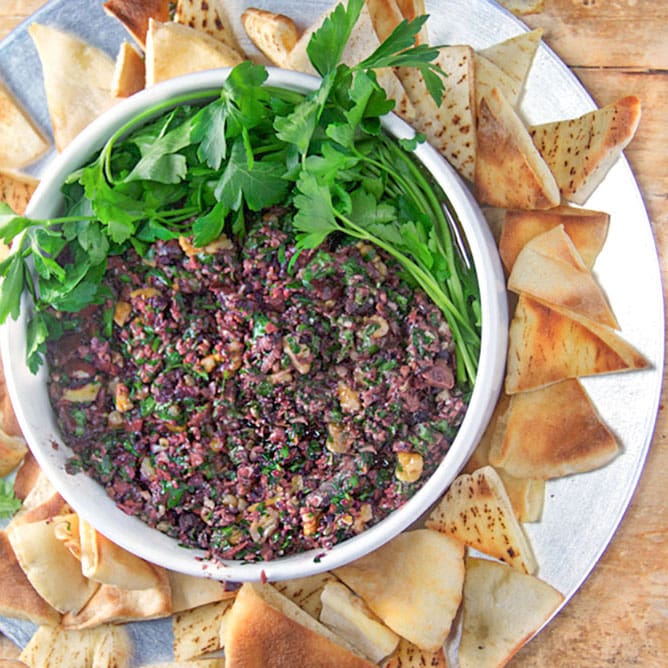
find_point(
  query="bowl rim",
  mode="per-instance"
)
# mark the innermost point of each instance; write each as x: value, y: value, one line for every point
x: 88, y: 498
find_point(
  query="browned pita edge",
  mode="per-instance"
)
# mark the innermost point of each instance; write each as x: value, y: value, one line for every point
x: 8, y: 420
x: 408, y: 655
x: 578, y: 153
x: 129, y: 73
x: 552, y: 432
x: 509, y: 171
x: 257, y: 634
x: 12, y: 451
x: 26, y: 476
x: 134, y: 15
x: 275, y: 35
x: 476, y: 510
x: 110, y: 604
x: 42, y: 502
x: 550, y: 268
x: 547, y: 345
x: 209, y: 16
x: 18, y: 598
x: 8, y: 648
x: 587, y: 229
x: 16, y: 189
x: 526, y: 494
x: 523, y: 7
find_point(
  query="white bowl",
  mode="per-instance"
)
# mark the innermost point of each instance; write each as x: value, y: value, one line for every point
x: 31, y: 402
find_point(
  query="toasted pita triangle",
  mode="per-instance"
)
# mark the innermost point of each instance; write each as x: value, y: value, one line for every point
x: 547, y: 345
x: 449, y: 127
x: 264, y: 628
x: 135, y: 14
x: 212, y: 17
x: 12, y: 451
x: 197, y: 631
x: 8, y: 420
x: 173, y: 49
x: 16, y: 189
x: 129, y: 72
x: 477, y: 511
x: 523, y: 7
x: 550, y: 268
x: 77, y: 80
x: 52, y: 570
x: 112, y: 604
x: 551, y: 432
x: 526, y: 494
x: 190, y: 592
x: 502, y: 610
x: 489, y: 75
x: 514, y: 56
x: 26, y: 476
x: 346, y: 613
x: 386, y: 15
x: 362, y: 43
x: 417, y: 603
x: 411, y: 656
x: 274, y: 34
x: 103, y: 647
x: 586, y: 228
x: 580, y: 151
x: 18, y: 597
x: 21, y: 142
x: 509, y: 171
x: 305, y: 592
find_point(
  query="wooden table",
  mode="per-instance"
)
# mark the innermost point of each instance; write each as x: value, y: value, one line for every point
x: 620, y: 615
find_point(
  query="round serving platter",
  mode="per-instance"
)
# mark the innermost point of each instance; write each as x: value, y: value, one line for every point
x: 582, y: 512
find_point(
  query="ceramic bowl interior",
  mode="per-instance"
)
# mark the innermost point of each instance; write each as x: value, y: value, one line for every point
x: 31, y: 402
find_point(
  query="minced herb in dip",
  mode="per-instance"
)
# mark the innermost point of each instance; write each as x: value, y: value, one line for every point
x: 251, y: 406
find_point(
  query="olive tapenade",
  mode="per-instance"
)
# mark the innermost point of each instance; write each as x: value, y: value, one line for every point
x: 253, y: 401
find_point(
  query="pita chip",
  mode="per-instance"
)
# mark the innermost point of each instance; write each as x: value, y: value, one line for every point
x: 502, y: 610
x: 8, y: 649
x: 550, y: 269
x: 211, y: 17
x: 197, y: 631
x: 21, y: 141
x: 547, y: 344
x: 266, y: 629
x: 105, y: 562
x: 77, y: 80
x: 408, y: 655
x: 509, y: 171
x: 523, y: 7
x: 190, y: 592
x: 52, y: 570
x: 477, y: 511
x: 581, y: 151
x: 18, y: 598
x: 12, y: 451
x: 173, y: 49
x: 526, y: 495
x: 111, y: 604
x: 388, y: 14
x: 586, y: 228
x: 26, y: 476
x: 363, y: 42
x: 450, y: 127
x: 417, y: 603
x: 306, y: 591
x: 16, y: 189
x: 216, y: 662
x: 135, y: 15
x: 275, y: 35
x: 514, y: 56
x: 347, y: 614
x: 489, y: 75
x: 129, y: 72
x: 553, y: 431
x: 103, y: 647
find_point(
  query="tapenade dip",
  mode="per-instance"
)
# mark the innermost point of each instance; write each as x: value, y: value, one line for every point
x: 253, y: 401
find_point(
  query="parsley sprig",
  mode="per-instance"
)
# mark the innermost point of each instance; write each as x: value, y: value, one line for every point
x: 9, y: 504
x: 187, y: 168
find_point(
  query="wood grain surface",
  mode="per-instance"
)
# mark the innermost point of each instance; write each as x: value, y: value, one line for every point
x: 620, y: 615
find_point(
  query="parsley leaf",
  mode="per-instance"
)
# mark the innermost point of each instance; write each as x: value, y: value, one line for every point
x: 9, y: 504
